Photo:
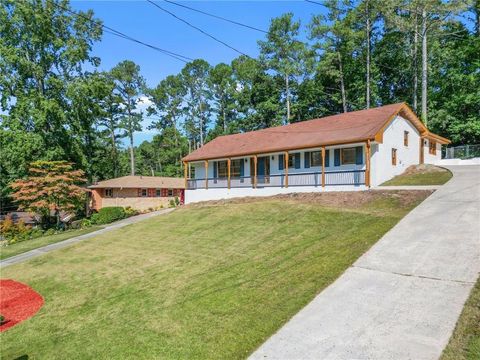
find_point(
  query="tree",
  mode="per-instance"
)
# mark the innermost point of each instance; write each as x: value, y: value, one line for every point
x: 284, y: 53
x: 129, y: 85
x: 42, y: 49
x: 223, y: 89
x: 195, y: 79
x: 51, y: 186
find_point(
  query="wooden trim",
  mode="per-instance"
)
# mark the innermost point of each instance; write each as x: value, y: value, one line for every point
x: 367, y: 163
x: 421, y: 155
x: 323, y: 166
x: 185, y: 173
x: 286, y: 169
x: 206, y: 174
x: 229, y: 163
x: 255, y: 171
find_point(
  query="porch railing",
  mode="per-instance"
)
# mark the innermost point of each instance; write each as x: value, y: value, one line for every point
x: 340, y: 177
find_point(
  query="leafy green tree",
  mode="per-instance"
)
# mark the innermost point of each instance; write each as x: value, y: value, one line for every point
x: 195, y: 76
x: 284, y: 53
x: 129, y: 86
x: 223, y: 89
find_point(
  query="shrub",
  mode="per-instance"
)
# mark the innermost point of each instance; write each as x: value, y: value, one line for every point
x: 129, y: 211
x: 14, y: 232
x: 172, y: 203
x: 177, y: 201
x: 109, y: 214
x: 2, y: 319
x: 85, y: 223
x: 50, y: 232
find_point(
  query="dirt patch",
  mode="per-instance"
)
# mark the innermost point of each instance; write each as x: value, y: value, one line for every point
x: 423, y: 169
x: 337, y: 199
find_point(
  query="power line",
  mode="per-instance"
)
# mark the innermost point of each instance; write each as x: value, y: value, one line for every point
x: 112, y: 31
x: 217, y: 17
x: 196, y: 28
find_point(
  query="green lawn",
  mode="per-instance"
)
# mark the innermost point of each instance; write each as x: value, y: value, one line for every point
x: 23, y: 246
x: 438, y: 177
x: 465, y: 341
x: 204, y: 282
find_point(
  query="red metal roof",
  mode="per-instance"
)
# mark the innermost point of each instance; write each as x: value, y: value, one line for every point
x: 343, y: 128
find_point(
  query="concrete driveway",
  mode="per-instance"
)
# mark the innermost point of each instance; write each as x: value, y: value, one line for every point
x: 402, y: 298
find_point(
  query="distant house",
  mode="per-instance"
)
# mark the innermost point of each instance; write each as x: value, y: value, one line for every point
x: 349, y: 151
x: 138, y: 192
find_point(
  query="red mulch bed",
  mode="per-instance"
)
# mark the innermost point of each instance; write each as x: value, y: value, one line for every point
x: 18, y: 302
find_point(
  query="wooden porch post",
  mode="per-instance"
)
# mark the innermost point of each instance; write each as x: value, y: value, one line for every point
x: 421, y: 151
x: 185, y: 173
x: 229, y: 162
x: 206, y: 174
x: 286, y: 169
x: 367, y: 163
x: 323, y: 166
x: 254, y: 171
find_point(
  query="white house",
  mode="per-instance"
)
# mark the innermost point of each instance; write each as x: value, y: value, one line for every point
x: 349, y: 151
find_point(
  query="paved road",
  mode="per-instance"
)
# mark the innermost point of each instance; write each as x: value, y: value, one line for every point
x: 402, y: 298
x: 46, y: 249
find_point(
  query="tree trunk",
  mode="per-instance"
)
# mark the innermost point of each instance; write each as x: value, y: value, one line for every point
x: 201, y: 123
x: 114, y: 152
x: 132, y: 154
x: 424, y: 66
x: 415, y: 63
x: 287, y: 92
x: 342, y: 83
x: 367, y: 15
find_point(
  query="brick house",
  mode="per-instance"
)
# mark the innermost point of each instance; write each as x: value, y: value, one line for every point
x: 138, y: 192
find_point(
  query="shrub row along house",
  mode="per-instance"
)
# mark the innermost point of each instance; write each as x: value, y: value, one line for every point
x: 138, y: 192
x: 349, y: 151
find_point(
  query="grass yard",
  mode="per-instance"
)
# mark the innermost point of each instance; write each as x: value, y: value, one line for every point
x: 465, y: 341
x: 421, y: 175
x: 27, y: 245
x: 208, y: 281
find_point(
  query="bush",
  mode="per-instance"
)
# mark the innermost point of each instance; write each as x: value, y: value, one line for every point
x: 177, y: 201
x: 172, y: 203
x: 129, y: 211
x: 109, y: 214
x: 14, y: 232
x: 50, y: 232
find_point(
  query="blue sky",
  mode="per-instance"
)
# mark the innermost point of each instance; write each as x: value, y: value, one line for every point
x: 143, y: 21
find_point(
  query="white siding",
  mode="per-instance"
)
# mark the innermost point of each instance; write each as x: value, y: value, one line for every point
x: 381, y: 164
x: 431, y: 159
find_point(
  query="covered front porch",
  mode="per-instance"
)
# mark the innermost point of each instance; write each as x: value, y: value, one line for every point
x: 345, y: 165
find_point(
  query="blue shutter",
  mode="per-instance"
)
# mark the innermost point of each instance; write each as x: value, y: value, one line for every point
x: 297, y: 161
x: 307, y: 159
x: 327, y: 158
x: 242, y: 167
x: 281, y: 161
x: 215, y: 169
x: 336, y: 155
x: 359, y: 155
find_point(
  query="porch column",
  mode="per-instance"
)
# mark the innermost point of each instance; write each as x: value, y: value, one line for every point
x: 421, y: 151
x: 367, y: 163
x: 286, y: 169
x: 323, y: 166
x: 206, y: 174
x: 254, y: 171
x: 229, y: 162
x: 185, y: 173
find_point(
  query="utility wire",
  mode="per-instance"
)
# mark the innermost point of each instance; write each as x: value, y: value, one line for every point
x: 217, y: 17
x: 112, y: 31
x: 197, y: 28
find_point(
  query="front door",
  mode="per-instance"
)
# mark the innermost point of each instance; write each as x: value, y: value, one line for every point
x: 263, y: 170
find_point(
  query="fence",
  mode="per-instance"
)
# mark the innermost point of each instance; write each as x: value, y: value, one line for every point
x: 348, y: 177
x: 462, y: 152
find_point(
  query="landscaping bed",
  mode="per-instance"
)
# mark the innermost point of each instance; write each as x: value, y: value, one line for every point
x: 208, y: 281
x: 424, y: 174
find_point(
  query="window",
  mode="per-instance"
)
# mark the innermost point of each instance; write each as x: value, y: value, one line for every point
x: 432, y: 147
x: 108, y: 192
x: 405, y: 138
x: 170, y: 192
x: 291, y: 159
x: 222, y: 169
x: 144, y: 192
x: 158, y: 192
x: 348, y: 156
x: 316, y: 158
x: 394, y: 157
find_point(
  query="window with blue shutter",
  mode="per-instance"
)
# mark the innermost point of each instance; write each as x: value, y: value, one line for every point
x: 359, y: 155
x: 336, y: 157
x: 307, y: 159
x: 327, y: 158
x: 297, y: 161
x: 281, y: 161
